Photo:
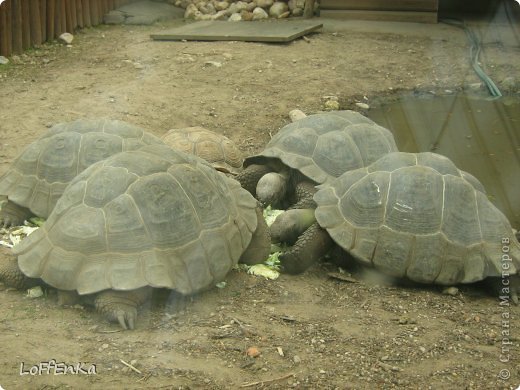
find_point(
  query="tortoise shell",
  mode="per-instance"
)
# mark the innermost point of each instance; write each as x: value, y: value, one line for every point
x: 323, y: 146
x: 215, y: 148
x: 417, y: 216
x: 151, y: 217
x: 38, y: 177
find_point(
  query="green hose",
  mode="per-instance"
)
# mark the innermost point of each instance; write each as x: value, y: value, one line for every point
x: 474, y: 52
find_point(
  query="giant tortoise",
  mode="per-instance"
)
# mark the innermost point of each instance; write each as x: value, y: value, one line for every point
x: 37, y: 178
x: 143, y: 219
x: 313, y: 150
x: 411, y: 216
x: 217, y: 149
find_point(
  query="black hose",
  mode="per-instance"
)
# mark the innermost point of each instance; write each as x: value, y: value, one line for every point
x: 474, y: 52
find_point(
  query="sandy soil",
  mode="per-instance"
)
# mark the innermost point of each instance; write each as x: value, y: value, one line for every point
x: 312, y: 331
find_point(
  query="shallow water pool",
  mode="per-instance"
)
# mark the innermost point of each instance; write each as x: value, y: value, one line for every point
x: 481, y: 136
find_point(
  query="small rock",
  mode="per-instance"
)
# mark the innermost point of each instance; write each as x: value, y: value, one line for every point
x: 295, y: 115
x: 253, y: 352
x: 216, y: 64
x: 296, y: 359
x: 364, y: 106
x: 475, y: 86
x: 450, y: 291
x: 3, y: 60
x: 331, y: 105
x: 35, y: 292
x: 66, y: 38
x: 104, y: 346
x: 259, y: 14
x: 422, y: 349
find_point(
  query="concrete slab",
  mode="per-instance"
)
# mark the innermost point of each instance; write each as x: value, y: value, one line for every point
x: 259, y: 31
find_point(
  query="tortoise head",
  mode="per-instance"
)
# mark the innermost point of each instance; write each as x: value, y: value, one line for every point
x: 271, y: 189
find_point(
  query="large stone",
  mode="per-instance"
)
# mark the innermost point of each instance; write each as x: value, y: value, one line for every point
x: 246, y: 15
x: 277, y: 9
x: 237, y: 7
x: 259, y: 14
x: 251, y: 6
x: 297, y: 12
x: 207, y: 8
x: 221, y: 5
x: 220, y: 15
x: 191, y: 11
x: 201, y: 16
x: 293, y: 4
x: 264, y: 3
x: 235, y: 17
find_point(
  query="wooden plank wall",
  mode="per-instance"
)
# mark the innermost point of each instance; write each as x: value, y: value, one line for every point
x: 26, y: 23
x: 390, y: 10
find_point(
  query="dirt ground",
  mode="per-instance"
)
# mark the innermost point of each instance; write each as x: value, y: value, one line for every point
x: 312, y: 331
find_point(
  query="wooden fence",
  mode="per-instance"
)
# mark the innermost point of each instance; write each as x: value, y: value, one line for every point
x: 26, y: 23
x: 391, y: 10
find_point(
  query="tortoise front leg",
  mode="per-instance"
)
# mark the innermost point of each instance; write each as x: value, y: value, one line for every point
x: 121, y: 306
x: 313, y: 244
x: 249, y: 177
x: 289, y: 226
x: 260, y: 245
x: 303, y: 193
x: 13, y: 214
